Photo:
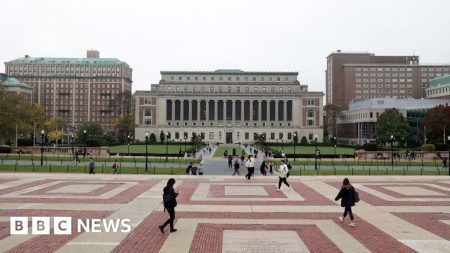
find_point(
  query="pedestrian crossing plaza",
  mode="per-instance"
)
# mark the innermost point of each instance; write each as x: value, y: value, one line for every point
x: 121, y: 213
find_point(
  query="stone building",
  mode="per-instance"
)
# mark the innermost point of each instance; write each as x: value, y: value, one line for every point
x: 229, y: 106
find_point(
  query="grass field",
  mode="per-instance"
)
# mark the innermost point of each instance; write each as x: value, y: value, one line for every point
x: 153, y: 149
x: 85, y: 169
x: 324, y: 150
x: 220, y: 150
x: 138, y: 159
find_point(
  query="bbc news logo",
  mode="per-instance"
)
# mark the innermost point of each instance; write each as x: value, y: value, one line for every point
x: 63, y: 225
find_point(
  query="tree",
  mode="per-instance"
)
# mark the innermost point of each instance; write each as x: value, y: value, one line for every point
x: 53, y: 127
x: 435, y: 120
x: 15, y: 114
x: 94, y: 134
x: 331, y: 114
x: 121, y: 103
x: 391, y: 122
x: 304, y: 141
x: 162, y: 137
x: 124, y: 126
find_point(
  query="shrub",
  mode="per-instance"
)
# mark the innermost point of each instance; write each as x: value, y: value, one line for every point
x: 428, y: 147
x: 441, y: 147
x: 5, y: 149
x: 304, y: 140
x: 370, y: 146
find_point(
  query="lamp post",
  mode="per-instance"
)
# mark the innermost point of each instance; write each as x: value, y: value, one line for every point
x: 146, y: 154
x: 167, y: 146
x: 185, y: 140
x: 295, y: 144
x: 42, y: 147
x: 448, y: 160
x: 316, y: 154
x: 334, y: 142
x: 128, y: 143
x: 392, y: 151
x: 73, y: 153
x: 84, y: 141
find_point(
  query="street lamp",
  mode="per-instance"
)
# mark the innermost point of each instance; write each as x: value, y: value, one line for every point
x: 317, y: 154
x: 167, y: 146
x: 185, y: 140
x: 334, y: 141
x: 42, y: 147
x: 295, y: 144
x: 146, y: 154
x: 84, y: 141
x: 392, y: 151
x: 448, y: 160
x: 128, y: 141
x: 73, y: 153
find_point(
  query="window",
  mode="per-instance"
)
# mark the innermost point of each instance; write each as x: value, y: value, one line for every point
x: 247, y: 135
x: 310, y: 101
x: 147, y: 117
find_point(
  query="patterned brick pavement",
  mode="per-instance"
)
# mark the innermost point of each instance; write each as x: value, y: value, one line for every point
x: 396, y: 214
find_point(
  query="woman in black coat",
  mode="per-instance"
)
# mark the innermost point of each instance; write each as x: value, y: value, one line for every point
x: 347, y: 196
x: 170, y: 202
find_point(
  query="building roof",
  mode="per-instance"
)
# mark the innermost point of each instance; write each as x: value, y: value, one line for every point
x: 396, y: 64
x: 439, y: 82
x: 406, y: 104
x: 72, y: 61
x: 13, y: 82
x: 228, y: 72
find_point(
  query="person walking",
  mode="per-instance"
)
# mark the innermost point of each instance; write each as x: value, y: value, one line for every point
x: 250, y: 166
x: 271, y: 167
x: 115, y: 167
x: 230, y: 161
x: 347, y: 196
x: 236, y: 167
x: 189, y: 168
x: 282, y: 175
x: 170, y: 202
x: 91, y: 166
x: 263, y: 168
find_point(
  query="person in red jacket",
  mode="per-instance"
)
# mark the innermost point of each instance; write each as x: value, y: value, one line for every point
x: 347, y: 197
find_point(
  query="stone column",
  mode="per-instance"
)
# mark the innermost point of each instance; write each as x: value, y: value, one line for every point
x: 276, y: 110
x: 215, y: 112
x: 268, y: 111
x: 251, y: 111
x: 242, y: 110
x: 233, y: 111
x: 181, y: 110
x: 190, y: 110
x: 284, y: 110
x: 207, y: 110
x: 259, y: 111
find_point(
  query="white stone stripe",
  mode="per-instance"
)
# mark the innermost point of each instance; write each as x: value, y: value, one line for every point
x: 94, y: 243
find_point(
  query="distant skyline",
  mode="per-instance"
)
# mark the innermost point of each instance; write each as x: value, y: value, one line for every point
x: 198, y: 35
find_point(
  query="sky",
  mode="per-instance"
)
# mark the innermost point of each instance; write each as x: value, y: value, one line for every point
x: 199, y: 35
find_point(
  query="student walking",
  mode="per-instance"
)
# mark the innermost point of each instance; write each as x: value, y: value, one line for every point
x: 91, y: 166
x: 230, y: 161
x: 115, y: 167
x: 250, y: 167
x: 170, y: 202
x: 282, y: 175
x: 271, y: 167
x: 347, y: 196
x: 236, y: 167
x: 263, y: 168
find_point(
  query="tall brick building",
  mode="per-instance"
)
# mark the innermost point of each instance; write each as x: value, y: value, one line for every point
x: 354, y: 76
x: 76, y: 89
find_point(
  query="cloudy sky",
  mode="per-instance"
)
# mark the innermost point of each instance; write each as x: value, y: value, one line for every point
x: 277, y: 35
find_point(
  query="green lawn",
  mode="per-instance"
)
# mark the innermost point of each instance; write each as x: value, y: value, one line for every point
x: 311, y: 172
x: 324, y: 150
x: 220, y: 150
x: 85, y: 169
x: 138, y: 159
x: 153, y: 149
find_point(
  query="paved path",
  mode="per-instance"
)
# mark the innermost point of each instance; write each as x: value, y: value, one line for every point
x: 229, y: 214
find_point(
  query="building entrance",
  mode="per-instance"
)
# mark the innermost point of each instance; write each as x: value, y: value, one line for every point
x: 229, y: 137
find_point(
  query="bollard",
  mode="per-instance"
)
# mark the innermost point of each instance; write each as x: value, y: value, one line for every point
x: 352, y: 171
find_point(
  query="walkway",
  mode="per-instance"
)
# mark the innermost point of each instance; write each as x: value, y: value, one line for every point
x: 228, y: 214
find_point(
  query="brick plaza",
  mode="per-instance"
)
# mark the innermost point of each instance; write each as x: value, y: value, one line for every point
x: 230, y: 214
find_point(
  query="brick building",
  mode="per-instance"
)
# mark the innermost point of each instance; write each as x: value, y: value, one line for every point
x: 357, y: 76
x: 229, y: 106
x: 76, y: 89
x: 13, y: 86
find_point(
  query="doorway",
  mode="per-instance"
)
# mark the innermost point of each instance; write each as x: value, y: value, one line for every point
x: 228, y: 137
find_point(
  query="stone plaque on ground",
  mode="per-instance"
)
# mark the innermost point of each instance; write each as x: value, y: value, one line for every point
x: 260, y: 241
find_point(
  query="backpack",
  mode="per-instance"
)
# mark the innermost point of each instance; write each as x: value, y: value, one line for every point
x: 289, y: 166
x: 114, y: 165
x: 356, y: 196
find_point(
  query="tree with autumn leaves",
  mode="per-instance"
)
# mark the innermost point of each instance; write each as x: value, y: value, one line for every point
x: 437, y: 123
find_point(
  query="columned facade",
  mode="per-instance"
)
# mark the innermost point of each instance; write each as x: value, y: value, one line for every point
x: 231, y: 106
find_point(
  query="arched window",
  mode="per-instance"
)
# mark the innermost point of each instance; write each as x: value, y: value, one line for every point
x: 147, y: 117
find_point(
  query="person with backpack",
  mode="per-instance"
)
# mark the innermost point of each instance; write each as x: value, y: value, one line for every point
x: 236, y: 167
x: 348, y: 197
x: 115, y: 167
x: 170, y: 202
x: 282, y: 175
x: 263, y: 168
x: 91, y: 166
x: 189, y: 168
